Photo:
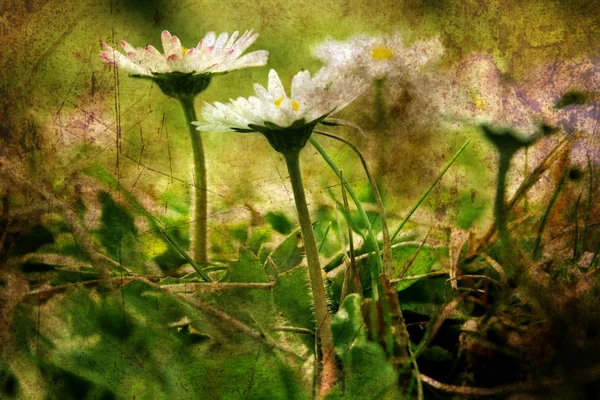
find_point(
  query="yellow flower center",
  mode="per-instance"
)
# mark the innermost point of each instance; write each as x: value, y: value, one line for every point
x: 382, y: 53
x: 184, y: 50
x: 295, y: 104
x: 478, y: 101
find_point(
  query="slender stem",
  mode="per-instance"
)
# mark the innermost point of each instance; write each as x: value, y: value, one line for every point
x: 381, y: 123
x: 199, y: 230
x: 314, y: 272
x: 500, y: 202
x: 511, y: 261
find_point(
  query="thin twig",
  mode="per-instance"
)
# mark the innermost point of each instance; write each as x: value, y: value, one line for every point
x: 193, y: 287
x: 45, y: 294
x: 293, y: 329
x: 459, y: 277
x: 410, y: 278
x: 584, y: 376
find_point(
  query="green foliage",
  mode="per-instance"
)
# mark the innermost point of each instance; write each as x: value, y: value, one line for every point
x: 9, y: 383
x: 121, y: 338
x: 280, y: 222
x: 426, y: 296
x: 572, y: 98
x: 32, y: 240
x: 367, y: 374
x: 293, y: 299
x: 118, y: 232
x: 286, y: 256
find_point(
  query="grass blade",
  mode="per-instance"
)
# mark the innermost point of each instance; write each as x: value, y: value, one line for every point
x: 424, y: 195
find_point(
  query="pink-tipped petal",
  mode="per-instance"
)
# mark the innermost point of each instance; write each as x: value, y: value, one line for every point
x: 153, y: 50
x: 208, y: 40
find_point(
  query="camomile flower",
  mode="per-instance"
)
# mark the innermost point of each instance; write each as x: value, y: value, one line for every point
x: 186, y: 72
x: 183, y: 73
x: 377, y: 57
x: 212, y: 54
x: 285, y: 120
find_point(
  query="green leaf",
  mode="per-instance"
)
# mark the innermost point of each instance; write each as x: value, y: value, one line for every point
x: 31, y: 241
x: 367, y: 373
x: 118, y: 233
x: 280, y: 222
x: 573, y: 97
x: 425, y: 297
x: 288, y: 254
x: 247, y: 268
x: 9, y: 383
x: 258, y: 237
x: 437, y: 354
x: 347, y: 325
x: 412, y: 257
x: 419, y: 259
x: 293, y: 299
x: 65, y: 276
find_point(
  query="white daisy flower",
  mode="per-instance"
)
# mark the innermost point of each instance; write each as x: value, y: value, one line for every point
x: 378, y: 57
x: 311, y: 100
x: 213, y: 54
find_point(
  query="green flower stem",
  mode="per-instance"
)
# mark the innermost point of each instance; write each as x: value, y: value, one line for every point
x: 511, y: 261
x: 381, y: 123
x: 314, y: 269
x: 500, y: 210
x: 199, y: 230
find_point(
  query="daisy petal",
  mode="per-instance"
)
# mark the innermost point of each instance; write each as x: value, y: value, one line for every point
x: 275, y: 86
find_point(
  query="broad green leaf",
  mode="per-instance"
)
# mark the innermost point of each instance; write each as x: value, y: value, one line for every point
x: 347, y: 326
x: 287, y: 255
x: 9, y: 383
x: 258, y: 237
x: 247, y: 268
x: 425, y: 297
x: 367, y: 372
x: 112, y: 344
x: 31, y: 240
x: 280, y: 222
x: 118, y: 232
x: 293, y: 299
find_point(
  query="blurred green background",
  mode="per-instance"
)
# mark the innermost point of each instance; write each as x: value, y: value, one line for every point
x: 57, y: 93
